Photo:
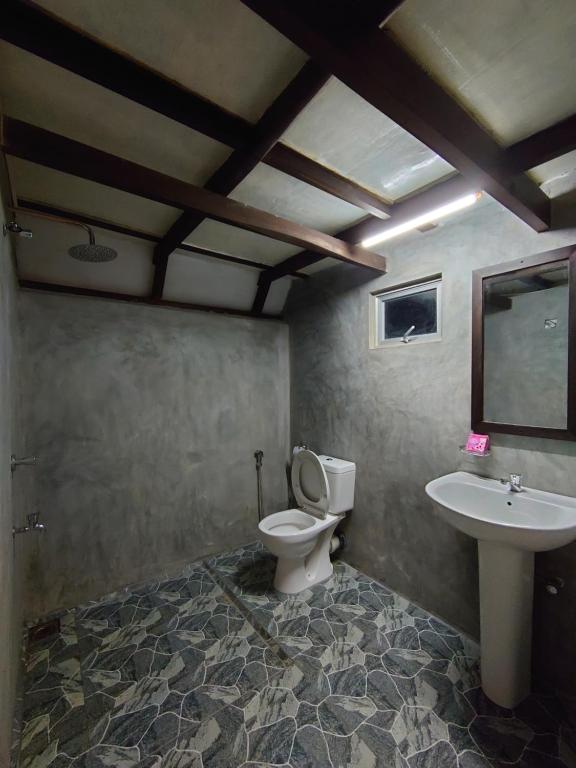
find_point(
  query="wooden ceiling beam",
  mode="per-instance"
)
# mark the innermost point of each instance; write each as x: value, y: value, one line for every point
x: 410, y: 97
x: 419, y: 203
x: 546, y: 145
x: 541, y: 147
x: 32, y: 207
x: 413, y: 206
x: 33, y: 285
x: 42, y: 34
x: 295, y: 164
x: 36, y: 31
x: 285, y: 108
x: 37, y: 145
x: 261, y: 294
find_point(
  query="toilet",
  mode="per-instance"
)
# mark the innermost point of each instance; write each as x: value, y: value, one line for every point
x: 323, y: 487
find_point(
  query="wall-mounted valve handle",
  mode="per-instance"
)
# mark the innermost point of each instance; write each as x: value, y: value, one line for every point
x: 23, y: 461
x: 34, y: 524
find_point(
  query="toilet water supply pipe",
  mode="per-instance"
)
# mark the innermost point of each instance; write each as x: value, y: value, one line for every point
x: 259, y: 456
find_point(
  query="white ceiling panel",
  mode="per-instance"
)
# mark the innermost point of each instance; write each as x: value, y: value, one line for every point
x: 319, y: 266
x: 341, y: 130
x: 557, y: 177
x: 45, y: 95
x: 35, y: 182
x: 275, y: 192
x: 277, y: 295
x: 218, y: 48
x: 202, y: 280
x: 509, y: 62
x: 239, y: 242
x: 45, y: 258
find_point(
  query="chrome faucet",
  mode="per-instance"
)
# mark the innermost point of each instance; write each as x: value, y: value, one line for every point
x: 33, y: 525
x: 514, y: 482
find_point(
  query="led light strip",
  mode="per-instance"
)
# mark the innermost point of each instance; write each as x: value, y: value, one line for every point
x: 425, y: 218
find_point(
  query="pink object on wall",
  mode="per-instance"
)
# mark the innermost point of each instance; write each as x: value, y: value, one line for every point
x: 477, y: 443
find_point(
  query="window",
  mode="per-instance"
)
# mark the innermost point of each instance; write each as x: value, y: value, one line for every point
x: 407, y: 315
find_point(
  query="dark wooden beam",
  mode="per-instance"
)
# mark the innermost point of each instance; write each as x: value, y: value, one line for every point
x: 415, y: 205
x: 275, y: 120
x: 494, y: 303
x: 36, y: 31
x: 536, y: 283
x: 33, y: 285
x: 43, y: 35
x: 32, y: 207
x: 285, y: 159
x: 539, y: 148
x: 410, y: 97
x: 368, y: 14
x: 388, y: 9
x: 60, y: 153
x: 548, y: 144
x: 419, y: 203
x: 261, y: 294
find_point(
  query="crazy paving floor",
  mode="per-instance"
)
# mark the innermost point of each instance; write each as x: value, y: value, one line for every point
x: 216, y: 670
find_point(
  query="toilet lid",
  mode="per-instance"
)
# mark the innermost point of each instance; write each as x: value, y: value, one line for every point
x: 310, y: 484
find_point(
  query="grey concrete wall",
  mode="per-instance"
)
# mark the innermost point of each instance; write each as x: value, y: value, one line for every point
x: 401, y: 414
x: 11, y: 493
x: 526, y: 363
x: 146, y: 421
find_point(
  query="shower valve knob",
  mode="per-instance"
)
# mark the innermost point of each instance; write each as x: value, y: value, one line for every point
x: 23, y: 461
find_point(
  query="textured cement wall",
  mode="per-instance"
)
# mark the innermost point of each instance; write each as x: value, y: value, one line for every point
x: 11, y: 493
x: 401, y: 414
x: 146, y: 421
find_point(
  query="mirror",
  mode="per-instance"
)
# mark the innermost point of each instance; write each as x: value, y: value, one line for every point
x: 523, y: 355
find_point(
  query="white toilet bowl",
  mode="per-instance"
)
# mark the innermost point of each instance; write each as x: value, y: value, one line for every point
x: 301, y: 542
x: 300, y: 538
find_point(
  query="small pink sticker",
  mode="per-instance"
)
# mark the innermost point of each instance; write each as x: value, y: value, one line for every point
x: 477, y: 443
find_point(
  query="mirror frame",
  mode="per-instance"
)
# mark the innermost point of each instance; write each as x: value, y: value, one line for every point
x: 568, y: 253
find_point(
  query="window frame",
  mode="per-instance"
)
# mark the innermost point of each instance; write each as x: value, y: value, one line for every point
x: 378, y: 313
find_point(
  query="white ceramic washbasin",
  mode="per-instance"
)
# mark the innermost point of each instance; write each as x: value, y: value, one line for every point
x: 509, y: 527
x: 485, y: 509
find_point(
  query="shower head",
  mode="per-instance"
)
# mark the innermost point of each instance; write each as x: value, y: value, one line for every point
x: 91, y: 251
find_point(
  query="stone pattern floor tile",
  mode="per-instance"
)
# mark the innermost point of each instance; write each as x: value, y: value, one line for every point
x: 214, y: 669
x: 380, y: 681
x: 154, y: 676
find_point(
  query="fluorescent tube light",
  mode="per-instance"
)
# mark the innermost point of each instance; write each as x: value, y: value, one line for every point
x: 425, y: 218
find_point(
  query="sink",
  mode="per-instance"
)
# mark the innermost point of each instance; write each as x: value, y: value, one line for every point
x: 485, y: 509
x: 509, y: 528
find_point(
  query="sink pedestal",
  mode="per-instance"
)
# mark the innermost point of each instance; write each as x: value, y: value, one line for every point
x: 506, y: 594
x: 509, y: 528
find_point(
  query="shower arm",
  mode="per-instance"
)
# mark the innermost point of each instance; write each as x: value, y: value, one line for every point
x: 58, y: 219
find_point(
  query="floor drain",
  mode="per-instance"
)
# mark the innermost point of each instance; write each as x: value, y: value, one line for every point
x: 44, y: 630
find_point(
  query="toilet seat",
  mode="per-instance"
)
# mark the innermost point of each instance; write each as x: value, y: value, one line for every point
x: 294, y: 525
x: 310, y: 484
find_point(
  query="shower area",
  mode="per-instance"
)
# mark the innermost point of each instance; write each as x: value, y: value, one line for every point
x: 127, y: 452
x: 144, y: 422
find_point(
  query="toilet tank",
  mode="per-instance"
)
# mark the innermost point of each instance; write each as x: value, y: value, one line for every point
x: 341, y: 475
